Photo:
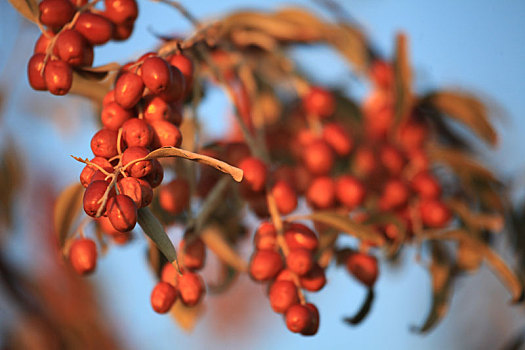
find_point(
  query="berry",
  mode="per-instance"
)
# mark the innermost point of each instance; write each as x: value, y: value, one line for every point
x: 299, y: 236
x: 122, y: 31
x: 364, y: 267
x: 364, y: 162
x: 55, y: 13
x: 193, y: 254
x: 155, y: 108
x: 128, y: 90
x: 43, y: 42
x: 185, y: 65
x: 113, y: 115
x: 121, y: 11
x: 165, y: 134
x: 83, y: 256
x: 318, y: 157
x: 132, y: 188
x: 156, y: 74
x: 319, y: 102
x: 58, y: 76
x: 285, y: 197
x: 35, y: 67
x: 338, y: 138
x: 191, y: 288
x: 169, y: 274
x: 73, y: 48
x: 94, y: 192
x: 86, y: 176
x: 392, y: 160
x: 147, y: 192
x: 96, y: 29
x: 395, y: 194
x: 175, y: 90
x: 426, y: 185
x: 265, y: 265
x: 299, y: 261
x: 349, y: 191
x: 298, y: 318
x: 266, y: 237
x: 157, y: 174
x: 321, y: 193
x: 140, y: 168
x: 312, y: 328
x: 137, y: 133
x: 254, y: 173
x: 174, y: 197
x: 163, y: 297
x: 282, y: 295
x: 434, y: 213
x: 104, y: 143
x: 314, y: 280
x: 122, y: 212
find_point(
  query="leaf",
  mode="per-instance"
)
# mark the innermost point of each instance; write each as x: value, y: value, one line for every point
x: 11, y: 177
x: 185, y: 316
x: 27, y: 8
x: 345, y: 224
x: 214, y: 239
x: 228, y: 276
x: 67, y: 209
x: 363, y: 311
x: 165, y: 152
x: 350, y: 42
x: 403, y: 80
x: 97, y: 73
x: 466, y: 109
x: 441, y: 270
x: 92, y: 89
x: 154, y: 230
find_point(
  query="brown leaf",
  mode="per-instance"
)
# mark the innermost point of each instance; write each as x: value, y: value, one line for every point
x: 364, y: 310
x: 403, y: 80
x: 213, y: 237
x: 466, y: 109
x: 27, y: 8
x: 166, y: 152
x: 11, y: 177
x: 185, y: 316
x: 468, y: 257
x: 67, y: 208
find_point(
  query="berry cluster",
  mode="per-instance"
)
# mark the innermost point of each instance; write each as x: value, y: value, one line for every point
x: 74, y: 27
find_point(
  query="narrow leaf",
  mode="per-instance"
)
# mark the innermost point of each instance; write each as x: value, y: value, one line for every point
x: 67, y: 209
x: 166, y: 152
x: 214, y: 239
x: 27, y: 8
x: 466, y: 109
x: 363, y: 311
x: 154, y: 230
x: 186, y: 317
x: 403, y: 80
x: 345, y: 224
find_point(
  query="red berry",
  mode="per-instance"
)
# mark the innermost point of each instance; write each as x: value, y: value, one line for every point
x: 104, y: 143
x: 87, y: 173
x: 254, y: 173
x: 95, y: 28
x: 285, y: 197
x: 175, y: 90
x: 94, y: 192
x: 174, y: 197
x: 298, y: 318
x: 314, y: 280
x: 122, y: 31
x: 395, y: 194
x: 113, y: 115
x: 128, y: 90
x: 300, y: 236
x: 140, y: 168
x: 163, y: 297
x: 122, y: 213
x: 83, y: 256
x: 382, y: 74
x: 147, y: 192
x: 165, y: 134
x: 106, y: 226
x: 55, y: 13
x: 156, y: 74
x: 43, y: 42
x: 157, y: 174
x: 265, y: 265
x: 434, y: 213
x: 319, y: 102
x: 349, y: 191
x: 58, y: 76
x: 364, y: 162
x: 191, y: 288
x: 266, y: 237
x: 121, y: 11
x: 318, y: 158
x: 35, y: 68
x: 155, y: 108
x: 108, y: 98
x: 338, y: 138
x: 299, y: 261
x: 73, y: 48
x: 426, y: 185
x: 193, y: 254
x: 392, y: 159
x: 364, y: 267
x: 412, y: 135
x: 131, y: 187
x: 321, y: 193
x: 136, y: 132
x: 282, y: 295
x: 169, y: 274
x: 312, y: 328
x: 185, y: 65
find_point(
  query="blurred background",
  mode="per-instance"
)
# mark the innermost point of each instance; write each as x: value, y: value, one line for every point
x: 476, y: 46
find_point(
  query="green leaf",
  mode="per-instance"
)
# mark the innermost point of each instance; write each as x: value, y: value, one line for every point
x: 154, y: 230
x: 27, y: 8
x: 67, y: 208
x: 363, y: 311
x: 185, y: 316
x: 213, y: 237
x: 466, y: 109
x: 442, y: 273
x: 345, y: 224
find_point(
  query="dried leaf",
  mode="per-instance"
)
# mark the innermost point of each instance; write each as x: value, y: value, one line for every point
x: 154, y: 230
x: 67, y: 209
x: 350, y: 42
x: 442, y: 272
x: 466, y: 109
x: 214, y: 239
x: 403, y: 80
x: 468, y: 256
x: 109, y: 67
x: 345, y: 224
x: 185, y: 316
x: 11, y: 177
x: 27, y: 8
x: 165, y: 152
x: 363, y: 311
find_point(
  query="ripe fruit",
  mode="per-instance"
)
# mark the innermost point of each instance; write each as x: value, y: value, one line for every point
x: 165, y: 134
x: 298, y: 318
x: 312, y: 328
x: 58, y: 77
x: 426, y: 185
x: 128, y: 90
x: 43, y: 42
x: 299, y: 261
x: 299, y: 236
x: 121, y: 11
x: 140, y: 168
x: 137, y: 133
x: 318, y: 157
x: 319, y: 102
x: 282, y: 295
x: 338, y: 138
x: 175, y: 90
x: 191, y: 288
x: 113, y: 116
x: 123, y: 31
x: 73, y: 48
x: 392, y: 159
x: 174, y: 197
x: 314, y: 280
x: 434, y: 213
x: 321, y: 193
x: 395, y: 194
x: 157, y: 174
x: 193, y: 254
x: 87, y: 173
x: 132, y: 188
x: 266, y: 237
x: 96, y: 29
x: 265, y: 265
x: 349, y: 191
x: 285, y: 197
x: 104, y: 143
x: 254, y: 173
x: 364, y: 162
x: 35, y: 75
x: 55, y: 13
x: 364, y: 267
x: 122, y: 213
x: 156, y: 74
x: 163, y: 297
x: 83, y: 256
x: 169, y: 274
x: 94, y: 192
x: 185, y: 65
x: 155, y: 108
